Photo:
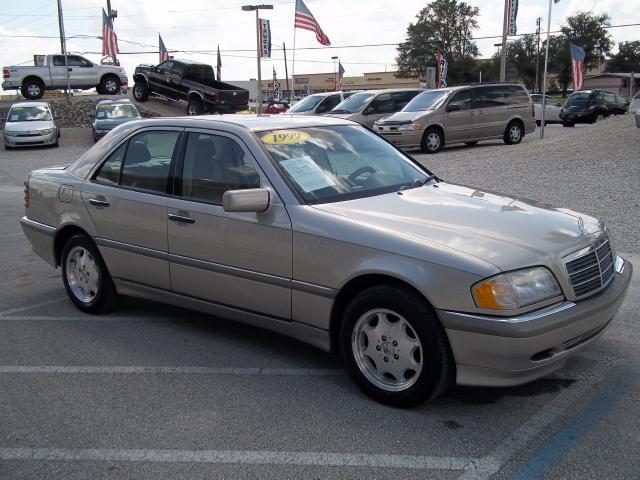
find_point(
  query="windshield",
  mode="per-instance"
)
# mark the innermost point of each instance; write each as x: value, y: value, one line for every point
x: 29, y: 114
x: 353, y: 103
x: 336, y: 163
x: 116, y: 111
x: 425, y: 101
x: 307, y: 104
x: 578, y: 98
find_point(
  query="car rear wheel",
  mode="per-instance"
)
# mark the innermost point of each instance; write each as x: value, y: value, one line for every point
x: 432, y: 141
x: 195, y: 107
x: 110, y: 85
x: 140, y: 91
x: 85, y: 276
x: 513, y: 133
x: 568, y: 124
x: 33, y: 89
x: 394, y: 347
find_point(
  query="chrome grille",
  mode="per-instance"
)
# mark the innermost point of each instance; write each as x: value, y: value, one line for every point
x: 592, y: 271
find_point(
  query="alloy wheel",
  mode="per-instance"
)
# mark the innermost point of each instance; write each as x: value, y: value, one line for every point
x: 82, y: 274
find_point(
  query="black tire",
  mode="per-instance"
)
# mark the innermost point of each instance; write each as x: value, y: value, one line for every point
x: 99, y: 90
x: 104, y: 297
x: 110, y: 85
x: 568, y: 124
x: 514, y: 133
x: 471, y: 144
x: 7, y: 147
x: 195, y: 107
x: 432, y: 140
x: 32, y: 88
x: 438, y: 368
x: 140, y: 91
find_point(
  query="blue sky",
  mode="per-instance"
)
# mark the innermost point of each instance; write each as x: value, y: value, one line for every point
x: 201, y: 25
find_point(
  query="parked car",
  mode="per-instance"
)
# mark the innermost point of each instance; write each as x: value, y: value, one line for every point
x: 461, y: 114
x: 552, y: 109
x: 276, y: 107
x: 111, y: 113
x: 586, y: 106
x: 368, y: 107
x: 190, y: 81
x: 317, y: 104
x: 30, y: 124
x: 52, y: 75
x: 634, y: 105
x: 317, y: 228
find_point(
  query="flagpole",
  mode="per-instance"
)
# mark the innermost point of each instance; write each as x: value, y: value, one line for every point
x: 293, y: 63
x: 503, y: 52
x: 544, y: 76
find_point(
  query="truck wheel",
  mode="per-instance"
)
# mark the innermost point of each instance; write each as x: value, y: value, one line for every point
x: 195, y: 107
x: 140, y: 91
x: 110, y: 85
x: 32, y: 88
x: 394, y: 347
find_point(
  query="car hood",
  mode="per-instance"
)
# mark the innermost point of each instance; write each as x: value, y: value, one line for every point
x: 504, y: 231
x: 402, y: 117
x: 109, y: 124
x: 28, y: 126
x: 344, y: 116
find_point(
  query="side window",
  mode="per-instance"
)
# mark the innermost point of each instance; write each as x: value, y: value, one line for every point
x: 146, y: 163
x: 109, y: 172
x: 609, y: 98
x: 75, y: 61
x: 214, y: 164
x: 165, y: 67
x: 489, y: 97
x: 515, y: 95
x: 58, y: 61
x: 400, y: 99
x: 383, y: 103
x: 462, y: 100
x: 328, y: 103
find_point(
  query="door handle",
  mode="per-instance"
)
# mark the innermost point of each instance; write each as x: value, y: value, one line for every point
x: 181, y: 218
x: 99, y: 203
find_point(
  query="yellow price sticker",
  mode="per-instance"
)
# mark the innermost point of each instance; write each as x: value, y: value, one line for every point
x: 285, y: 137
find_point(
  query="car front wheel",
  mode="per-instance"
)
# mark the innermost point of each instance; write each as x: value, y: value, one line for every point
x: 394, y: 347
x: 432, y: 141
x: 85, y: 276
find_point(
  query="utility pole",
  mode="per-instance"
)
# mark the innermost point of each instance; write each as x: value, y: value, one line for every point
x: 63, y: 46
x: 503, y: 52
x: 257, y: 8
x: 286, y: 73
x: 335, y: 77
x: 112, y: 14
x: 537, y: 86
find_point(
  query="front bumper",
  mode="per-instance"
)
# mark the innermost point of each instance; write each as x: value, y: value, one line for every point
x: 404, y: 139
x: 498, y: 351
x: 31, y: 140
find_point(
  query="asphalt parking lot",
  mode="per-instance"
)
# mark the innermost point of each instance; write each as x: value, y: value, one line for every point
x: 151, y: 391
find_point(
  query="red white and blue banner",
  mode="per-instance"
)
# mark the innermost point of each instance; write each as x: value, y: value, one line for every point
x: 264, y: 32
x: 277, y: 92
x: 512, y: 14
x: 164, y: 53
x: 305, y: 20
x: 577, y: 65
x: 443, y: 66
x: 109, y: 38
x: 340, y: 75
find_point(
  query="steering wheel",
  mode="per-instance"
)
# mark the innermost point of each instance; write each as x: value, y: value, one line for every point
x: 360, y: 171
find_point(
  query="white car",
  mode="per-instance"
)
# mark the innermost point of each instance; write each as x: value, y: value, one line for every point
x: 552, y: 109
x: 30, y: 124
x: 634, y: 105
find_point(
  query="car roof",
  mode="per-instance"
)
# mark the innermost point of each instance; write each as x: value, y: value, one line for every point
x: 30, y: 104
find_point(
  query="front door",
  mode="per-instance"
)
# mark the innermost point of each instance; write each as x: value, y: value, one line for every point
x: 242, y: 260
x: 160, y: 78
x: 127, y: 200
x: 460, y: 117
x: 83, y: 72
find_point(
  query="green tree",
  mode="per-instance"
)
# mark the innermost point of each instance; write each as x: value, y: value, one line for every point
x: 444, y: 25
x: 521, y: 62
x: 627, y: 59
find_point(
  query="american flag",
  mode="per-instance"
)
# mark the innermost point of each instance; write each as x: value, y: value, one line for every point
x: 109, y: 38
x: 340, y: 75
x: 577, y: 65
x: 164, y: 54
x: 306, y: 21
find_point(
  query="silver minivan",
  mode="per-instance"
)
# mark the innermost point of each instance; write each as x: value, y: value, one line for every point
x: 461, y: 114
x: 317, y: 104
x: 368, y: 107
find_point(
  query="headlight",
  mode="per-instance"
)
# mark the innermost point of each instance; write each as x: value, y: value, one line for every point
x: 512, y: 290
x: 46, y: 131
x: 411, y: 126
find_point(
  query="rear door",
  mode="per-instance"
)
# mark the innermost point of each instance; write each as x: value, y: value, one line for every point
x: 127, y: 201
x: 242, y: 260
x: 492, y: 113
x: 58, y: 71
x: 460, y: 117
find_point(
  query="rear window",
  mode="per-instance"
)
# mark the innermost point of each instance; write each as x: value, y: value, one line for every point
x: 195, y: 72
x: 579, y: 98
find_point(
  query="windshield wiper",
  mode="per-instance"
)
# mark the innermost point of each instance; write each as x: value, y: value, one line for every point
x: 418, y: 183
x: 340, y: 111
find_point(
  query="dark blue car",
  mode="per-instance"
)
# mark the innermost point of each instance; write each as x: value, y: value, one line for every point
x: 111, y: 113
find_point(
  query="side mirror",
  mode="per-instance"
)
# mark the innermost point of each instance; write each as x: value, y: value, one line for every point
x: 247, y: 200
x: 453, y: 107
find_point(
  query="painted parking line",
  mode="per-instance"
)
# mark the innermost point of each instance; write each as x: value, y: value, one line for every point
x: 543, y: 460
x: 326, y: 459
x: 142, y: 370
x: 519, y: 439
x: 32, y: 306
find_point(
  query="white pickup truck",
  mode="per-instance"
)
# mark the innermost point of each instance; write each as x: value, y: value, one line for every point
x: 52, y: 75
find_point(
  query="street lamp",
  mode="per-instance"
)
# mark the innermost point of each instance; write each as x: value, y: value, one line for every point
x: 335, y: 78
x: 250, y: 8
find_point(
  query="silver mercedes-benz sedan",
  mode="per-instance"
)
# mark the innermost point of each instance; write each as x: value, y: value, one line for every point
x: 320, y: 229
